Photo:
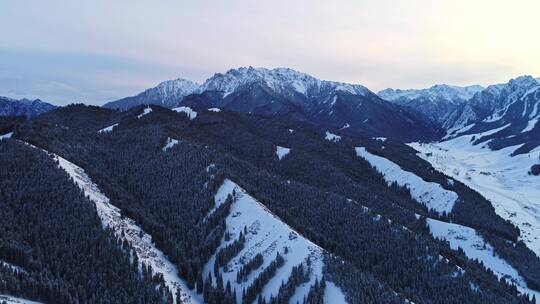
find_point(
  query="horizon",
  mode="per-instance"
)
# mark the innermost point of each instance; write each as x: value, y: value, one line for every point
x: 100, y: 51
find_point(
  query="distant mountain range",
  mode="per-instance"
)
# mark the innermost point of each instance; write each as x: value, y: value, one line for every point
x: 23, y: 107
x: 297, y: 95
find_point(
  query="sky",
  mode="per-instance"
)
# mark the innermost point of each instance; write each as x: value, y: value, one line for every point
x: 101, y: 50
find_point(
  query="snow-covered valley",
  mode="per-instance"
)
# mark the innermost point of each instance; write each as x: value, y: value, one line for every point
x: 459, y: 236
x: 502, y: 179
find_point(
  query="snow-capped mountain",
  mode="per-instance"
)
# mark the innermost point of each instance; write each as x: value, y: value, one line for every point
x: 167, y: 93
x: 436, y: 102
x: 23, y: 107
x: 283, y: 91
x: 510, y: 111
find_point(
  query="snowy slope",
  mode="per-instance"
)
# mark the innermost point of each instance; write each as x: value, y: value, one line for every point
x: 432, y: 195
x: 127, y: 229
x: 268, y: 235
x: 108, y: 129
x: 281, y: 80
x: 502, y: 179
x: 475, y: 247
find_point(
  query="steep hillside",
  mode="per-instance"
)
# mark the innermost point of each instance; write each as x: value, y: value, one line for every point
x: 220, y: 204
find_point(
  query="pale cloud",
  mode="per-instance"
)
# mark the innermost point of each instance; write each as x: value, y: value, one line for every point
x: 99, y: 50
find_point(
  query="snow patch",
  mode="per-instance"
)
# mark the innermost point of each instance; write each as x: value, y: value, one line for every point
x: 428, y: 193
x: 332, y: 137
x: 146, y: 111
x: 108, y: 129
x: 189, y: 112
x: 282, y: 152
x: 215, y: 109
x: 6, y: 136
x: 171, y: 142
x: 383, y: 139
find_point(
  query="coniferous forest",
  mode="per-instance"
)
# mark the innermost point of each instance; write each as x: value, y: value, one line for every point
x: 377, y: 245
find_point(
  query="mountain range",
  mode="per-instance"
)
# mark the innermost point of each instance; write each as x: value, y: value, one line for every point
x: 23, y: 107
x: 272, y: 186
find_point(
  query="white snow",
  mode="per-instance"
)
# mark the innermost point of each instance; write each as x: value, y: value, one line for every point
x: 171, y: 142
x: 189, y: 112
x: 12, y: 266
x: 268, y: 235
x: 431, y: 194
x: 530, y: 125
x: 14, y: 300
x: 146, y: 111
x: 345, y: 126
x: 291, y: 131
x: 332, y: 137
x: 333, y: 294
x: 282, y: 152
x: 6, y: 136
x: 215, y: 109
x: 128, y: 229
x: 281, y: 80
x: 108, y: 129
x: 476, y: 248
x: 500, y: 178
x: 383, y: 139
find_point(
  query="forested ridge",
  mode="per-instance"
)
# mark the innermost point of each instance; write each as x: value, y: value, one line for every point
x: 320, y: 189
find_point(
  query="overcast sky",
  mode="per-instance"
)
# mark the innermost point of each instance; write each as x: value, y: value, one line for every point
x: 97, y: 51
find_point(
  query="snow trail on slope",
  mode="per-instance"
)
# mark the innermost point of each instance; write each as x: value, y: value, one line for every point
x: 431, y: 194
x: 171, y: 142
x: 268, y: 235
x: 108, y: 129
x: 15, y: 300
x: 127, y: 229
x: 6, y: 136
x: 530, y: 125
x: 499, y: 177
x: 282, y: 152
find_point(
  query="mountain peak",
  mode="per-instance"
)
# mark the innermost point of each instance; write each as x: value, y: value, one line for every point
x: 525, y: 81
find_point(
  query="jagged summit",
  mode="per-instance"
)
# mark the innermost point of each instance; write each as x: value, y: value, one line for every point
x: 277, y: 79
